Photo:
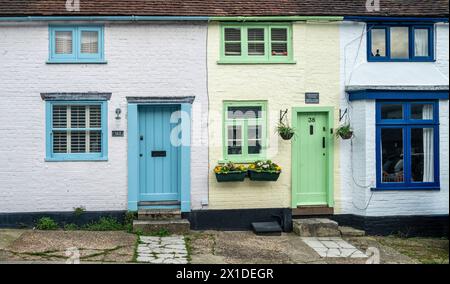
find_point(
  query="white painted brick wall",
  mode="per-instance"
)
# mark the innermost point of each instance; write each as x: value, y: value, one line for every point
x: 356, y: 196
x: 143, y: 60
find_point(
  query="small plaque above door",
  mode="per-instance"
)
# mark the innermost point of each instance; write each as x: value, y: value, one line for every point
x: 159, y: 153
x: 311, y: 98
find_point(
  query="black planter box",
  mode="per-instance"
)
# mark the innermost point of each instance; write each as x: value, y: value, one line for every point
x: 231, y: 177
x: 257, y: 176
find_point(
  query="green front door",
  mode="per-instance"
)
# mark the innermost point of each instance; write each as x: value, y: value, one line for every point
x: 312, y: 158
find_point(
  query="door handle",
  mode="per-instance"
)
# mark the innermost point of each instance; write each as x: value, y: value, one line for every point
x: 323, y: 142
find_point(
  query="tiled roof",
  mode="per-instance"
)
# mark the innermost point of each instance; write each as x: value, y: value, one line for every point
x: 400, y: 8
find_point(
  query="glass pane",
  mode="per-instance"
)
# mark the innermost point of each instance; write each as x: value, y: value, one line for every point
x: 63, y: 42
x: 391, y: 111
x: 95, y: 117
x: 279, y: 49
x: 244, y: 112
x: 254, y: 146
x: 256, y: 49
x: 60, y: 142
x: 379, y: 42
x: 255, y: 34
x: 422, y: 111
x: 392, y: 155
x: 234, y: 142
x: 95, y: 141
x: 254, y: 132
x: 400, y: 42
x: 279, y: 34
x: 233, y: 49
x: 421, y: 42
x: 78, y: 117
x: 422, y: 155
x: 89, y: 42
x: 59, y: 116
x: 232, y: 34
x: 78, y: 142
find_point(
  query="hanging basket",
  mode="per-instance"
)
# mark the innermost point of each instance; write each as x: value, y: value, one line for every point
x: 347, y: 135
x: 263, y: 176
x: 231, y: 177
x: 287, y: 136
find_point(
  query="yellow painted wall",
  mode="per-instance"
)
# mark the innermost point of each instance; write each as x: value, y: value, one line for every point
x: 283, y: 86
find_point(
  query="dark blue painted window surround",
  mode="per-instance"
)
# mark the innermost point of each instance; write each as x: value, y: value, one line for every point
x: 77, y: 55
x: 407, y: 124
x: 85, y: 121
x: 411, y: 28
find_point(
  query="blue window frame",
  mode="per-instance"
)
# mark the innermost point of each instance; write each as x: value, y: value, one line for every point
x: 76, y: 44
x: 407, y: 145
x: 398, y: 42
x: 76, y: 131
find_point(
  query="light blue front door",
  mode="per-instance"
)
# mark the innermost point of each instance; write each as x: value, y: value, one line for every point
x: 159, y: 159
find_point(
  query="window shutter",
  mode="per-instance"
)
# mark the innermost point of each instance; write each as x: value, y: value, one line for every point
x: 78, y: 117
x: 63, y: 42
x: 59, y: 142
x: 59, y: 116
x: 95, y: 117
x: 78, y: 142
x: 89, y: 42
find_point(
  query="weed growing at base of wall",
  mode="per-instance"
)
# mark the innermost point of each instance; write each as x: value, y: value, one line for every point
x: 46, y: 223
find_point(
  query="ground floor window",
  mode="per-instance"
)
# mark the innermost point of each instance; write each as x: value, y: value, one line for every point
x: 244, y: 131
x: 76, y: 130
x: 407, y: 144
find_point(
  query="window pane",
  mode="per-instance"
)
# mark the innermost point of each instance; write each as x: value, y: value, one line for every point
x: 379, y: 42
x: 255, y: 34
x: 392, y: 155
x: 95, y: 141
x: 279, y: 34
x: 254, y: 139
x: 422, y: 111
x: 78, y: 117
x: 421, y: 42
x: 233, y: 49
x: 89, y: 42
x: 422, y: 155
x: 244, y: 112
x: 59, y: 116
x: 234, y: 142
x: 256, y: 49
x: 60, y: 142
x: 279, y: 49
x: 232, y: 34
x: 78, y: 142
x: 400, y: 42
x: 256, y: 42
x: 391, y: 111
x: 233, y: 42
x: 95, y: 117
x: 63, y: 42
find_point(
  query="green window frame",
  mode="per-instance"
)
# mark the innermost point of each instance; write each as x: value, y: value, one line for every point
x: 241, y: 127
x: 253, y: 43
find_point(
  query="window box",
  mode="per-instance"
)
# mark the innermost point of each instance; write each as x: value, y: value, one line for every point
x: 256, y: 43
x: 231, y: 177
x: 263, y: 176
x: 76, y: 44
x: 400, y: 42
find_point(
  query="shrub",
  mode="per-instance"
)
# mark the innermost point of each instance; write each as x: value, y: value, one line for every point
x: 105, y: 224
x: 46, y: 223
x: 70, y: 227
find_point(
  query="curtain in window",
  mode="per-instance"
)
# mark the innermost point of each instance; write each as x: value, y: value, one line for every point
x: 421, y: 42
x: 89, y: 42
x: 428, y: 147
x: 63, y: 42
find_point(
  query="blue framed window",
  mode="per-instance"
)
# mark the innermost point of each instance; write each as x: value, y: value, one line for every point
x: 407, y: 137
x: 76, y: 44
x: 400, y: 42
x: 76, y: 131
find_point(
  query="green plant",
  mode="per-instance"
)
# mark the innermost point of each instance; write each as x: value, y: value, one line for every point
x: 128, y: 221
x: 265, y: 167
x: 105, y: 224
x: 70, y: 227
x: 161, y: 233
x: 344, y: 131
x: 46, y: 223
x: 78, y: 211
x: 229, y: 168
x: 286, y: 132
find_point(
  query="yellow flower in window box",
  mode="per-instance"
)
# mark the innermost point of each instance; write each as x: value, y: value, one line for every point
x: 230, y: 172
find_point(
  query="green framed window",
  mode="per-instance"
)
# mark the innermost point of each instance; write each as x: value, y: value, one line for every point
x: 256, y: 43
x: 245, y: 131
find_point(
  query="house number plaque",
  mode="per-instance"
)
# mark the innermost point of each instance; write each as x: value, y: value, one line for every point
x: 311, y: 98
x: 118, y: 133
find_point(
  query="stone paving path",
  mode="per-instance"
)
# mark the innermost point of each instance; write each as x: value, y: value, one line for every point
x: 333, y: 247
x: 162, y: 250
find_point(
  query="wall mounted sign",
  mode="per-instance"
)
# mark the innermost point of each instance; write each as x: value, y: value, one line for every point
x: 118, y: 133
x: 311, y: 98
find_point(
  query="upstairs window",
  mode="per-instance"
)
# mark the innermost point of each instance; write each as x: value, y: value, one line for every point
x: 257, y: 43
x: 76, y: 44
x: 244, y: 131
x: 76, y: 131
x: 399, y: 43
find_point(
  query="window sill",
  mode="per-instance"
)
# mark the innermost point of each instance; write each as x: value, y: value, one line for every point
x: 105, y: 159
x: 237, y: 62
x: 371, y: 60
x: 434, y: 188
x: 76, y: 62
